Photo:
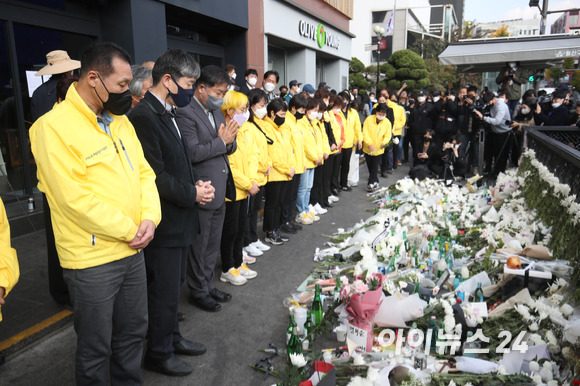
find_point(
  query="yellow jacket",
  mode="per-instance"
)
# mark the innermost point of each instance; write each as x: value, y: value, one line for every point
x: 310, y: 144
x: 293, y: 133
x: 244, y: 162
x: 375, y: 134
x: 9, y: 270
x: 99, y: 187
x: 352, y: 132
x: 330, y: 117
x: 280, y: 153
x: 400, y: 117
x: 260, y: 149
x: 322, y: 139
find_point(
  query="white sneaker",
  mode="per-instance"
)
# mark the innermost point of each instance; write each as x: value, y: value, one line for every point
x: 333, y: 198
x: 261, y: 246
x: 233, y: 277
x: 313, y: 216
x: 319, y: 210
x: 253, y: 251
x: 304, y: 218
x: 247, y: 258
x: 247, y: 272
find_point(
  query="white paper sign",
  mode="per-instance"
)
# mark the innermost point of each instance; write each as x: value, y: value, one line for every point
x: 357, y: 337
x: 34, y: 81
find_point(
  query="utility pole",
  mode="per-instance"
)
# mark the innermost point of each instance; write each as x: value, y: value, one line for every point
x: 544, y: 11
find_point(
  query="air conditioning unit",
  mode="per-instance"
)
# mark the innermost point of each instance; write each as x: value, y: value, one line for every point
x: 575, y: 32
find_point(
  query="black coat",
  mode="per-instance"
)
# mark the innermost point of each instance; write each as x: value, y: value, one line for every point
x: 556, y: 117
x: 168, y: 156
x: 446, y: 121
x: 422, y: 118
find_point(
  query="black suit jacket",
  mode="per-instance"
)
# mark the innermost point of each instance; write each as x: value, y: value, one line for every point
x: 167, y: 154
x: 207, y: 151
x: 244, y: 88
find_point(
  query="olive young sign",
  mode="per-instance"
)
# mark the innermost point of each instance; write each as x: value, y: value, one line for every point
x: 319, y: 34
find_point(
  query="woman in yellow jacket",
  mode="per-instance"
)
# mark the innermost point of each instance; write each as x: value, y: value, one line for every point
x: 292, y: 132
x: 254, y: 125
x: 376, y: 136
x: 313, y: 159
x: 244, y: 167
x: 335, y: 121
x: 283, y: 169
x: 352, y: 137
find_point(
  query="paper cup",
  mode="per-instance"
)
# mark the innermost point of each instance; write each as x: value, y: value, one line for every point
x: 300, y: 318
x: 341, y: 333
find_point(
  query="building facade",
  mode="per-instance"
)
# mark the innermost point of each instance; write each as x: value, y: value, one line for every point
x: 306, y: 40
x: 568, y: 23
x: 214, y: 32
x: 515, y: 27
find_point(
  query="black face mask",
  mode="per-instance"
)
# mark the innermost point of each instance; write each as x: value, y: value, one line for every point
x: 426, y: 139
x: 118, y: 103
x: 279, y: 120
x: 298, y: 115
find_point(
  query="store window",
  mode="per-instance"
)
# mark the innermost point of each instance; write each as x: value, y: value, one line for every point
x: 277, y: 62
x: 379, y: 16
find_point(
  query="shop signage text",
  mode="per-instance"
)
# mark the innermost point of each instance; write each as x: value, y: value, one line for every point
x: 318, y: 34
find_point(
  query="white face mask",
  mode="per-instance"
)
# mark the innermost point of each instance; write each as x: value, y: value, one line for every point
x: 555, y: 105
x: 311, y: 95
x: 336, y: 111
x: 269, y: 86
x: 421, y: 99
x: 374, y: 100
x: 319, y: 116
x: 512, y: 64
x: 435, y: 99
x: 380, y: 117
x: 252, y: 81
x: 298, y: 90
x: 261, y: 113
x: 234, y: 75
x: 525, y: 111
x: 313, y: 115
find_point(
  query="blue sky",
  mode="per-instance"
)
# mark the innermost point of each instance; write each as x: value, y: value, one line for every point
x: 496, y: 10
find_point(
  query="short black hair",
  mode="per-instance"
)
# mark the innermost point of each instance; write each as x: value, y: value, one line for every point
x: 298, y: 101
x: 500, y: 92
x: 344, y: 95
x: 472, y: 89
x: 381, y: 108
x: 312, y: 103
x: 212, y: 75
x: 276, y: 105
x: 99, y: 57
x: 177, y: 63
x: 255, y: 96
x: 272, y: 72
x: 250, y: 71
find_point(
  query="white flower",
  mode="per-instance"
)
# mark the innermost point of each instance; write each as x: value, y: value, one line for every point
x: 534, y: 366
x: 547, y: 365
x: 567, y: 352
x: 533, y: 326
x: 359, y: 361
x: 537, y: 379
x: 546, y: 375
x: 452, y: 383
x: 501, y: 370
x: 327, y: 356
x: 552, y: 383
x: 551, y: 337
x: 566, y: 310
x: 297, y: 360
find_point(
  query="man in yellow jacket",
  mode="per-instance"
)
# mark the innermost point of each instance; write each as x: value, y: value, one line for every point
x: 105, y: 209
x: 9, y: 270
x: 377, y: 134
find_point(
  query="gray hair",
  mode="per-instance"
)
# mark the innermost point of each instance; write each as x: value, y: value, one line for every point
x: 140, y: 74
x: 177, y: 63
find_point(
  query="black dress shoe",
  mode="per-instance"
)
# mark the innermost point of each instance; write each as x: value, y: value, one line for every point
x: 220, y: 296
x: 346, y: 188
x: 172, y: 366
x: 187, y: 347
x: 206, y: 303
x: 180, y: 316
x: 288, y: 228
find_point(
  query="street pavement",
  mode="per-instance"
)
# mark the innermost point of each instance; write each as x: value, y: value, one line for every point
x: 253, y: 319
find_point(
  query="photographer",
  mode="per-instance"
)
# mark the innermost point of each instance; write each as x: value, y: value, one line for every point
x: 427, y: 161
x: 558, y: 116
x: 510, y: 80
x: 446, y: 122
x: 469, y: 125
x: 499, y: 120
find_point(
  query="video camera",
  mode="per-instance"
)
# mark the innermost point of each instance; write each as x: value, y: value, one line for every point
x: 545, y: 99
x: 511, y: 73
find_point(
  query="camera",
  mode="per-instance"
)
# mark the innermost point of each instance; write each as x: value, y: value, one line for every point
x: 511, y: 73
x: 544, y: 99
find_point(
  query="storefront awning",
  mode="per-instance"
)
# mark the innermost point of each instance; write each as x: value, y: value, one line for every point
x: 479, y: 55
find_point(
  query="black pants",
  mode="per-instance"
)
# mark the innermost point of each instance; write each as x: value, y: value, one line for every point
x: 316, y: 191
x: 417, y: 144
x: 232, y: 241
x: 387, y: 159
x: 395, y: 151
x: 326, y: 177
x: 254, y: 205
x: 373, y: 166
x: 273, y: 206
x: 334, y: 175
x: 345, y: 167
x: 289, y: 200
x: 488, y: 150
x: 56, y: 285
x: 502, y: 144
x: 166, y: 269
x: 408, y: 139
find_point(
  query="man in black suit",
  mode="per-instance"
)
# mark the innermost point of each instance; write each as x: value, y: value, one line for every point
x: 209, y: 140
x: 251, y: 78
x: 179, y: 187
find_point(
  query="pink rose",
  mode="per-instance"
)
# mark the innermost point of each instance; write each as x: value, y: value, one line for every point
x: 359, y: 287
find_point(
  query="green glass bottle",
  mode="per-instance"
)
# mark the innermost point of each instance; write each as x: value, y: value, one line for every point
x: 294, y: 345
x: 415, y: 257
x: 336, y: 292
x: 291, y: 325
x: 478, y: 295
x: 433, y: 327
x: 317, y: 306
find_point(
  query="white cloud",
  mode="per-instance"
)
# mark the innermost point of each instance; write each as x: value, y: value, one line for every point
x: 521, y: 13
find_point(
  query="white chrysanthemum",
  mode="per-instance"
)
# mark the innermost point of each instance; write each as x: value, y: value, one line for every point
x: 297, y: 360
x: 567, y: 352
x: 533, y: 326
x: 566, y: 310
x: 452, y: 383
x: 547, y: 365
x: 551, y: 337
x: 501, y: 370
x: 537, y: 379
x: 534, y: 366
x: 359, y: 361
x: 552, y: 383
x: 546, y: 375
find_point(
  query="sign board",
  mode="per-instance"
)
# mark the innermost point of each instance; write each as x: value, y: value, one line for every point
x: 382, y: 44
x: 356, y: 338
x: 372, y: 47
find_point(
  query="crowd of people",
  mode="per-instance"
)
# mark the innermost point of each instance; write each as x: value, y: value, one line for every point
x: 154, y: 172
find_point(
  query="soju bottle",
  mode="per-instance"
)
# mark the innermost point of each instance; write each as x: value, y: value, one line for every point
x: 478, y: 295
x: 307, y: 329
x: 336, y: 293
x: 294, y: 344
x: 433, y: 327
x: 317, y: 306
x: 440, y: 333
x: 406, y: 247
x: 415, y: 257
x: 290, y: 327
